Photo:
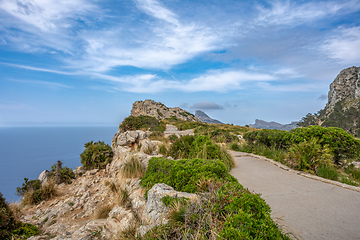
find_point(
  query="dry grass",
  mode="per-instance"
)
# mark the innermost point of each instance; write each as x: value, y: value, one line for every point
x: 44, y: 193
x: 103, y: 212
x: 129, y: 233
x: 149, y: 149
x: 133, y: 169
x: 123, y: 198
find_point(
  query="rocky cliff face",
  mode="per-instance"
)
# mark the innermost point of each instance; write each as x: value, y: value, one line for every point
x: 346, y: 86
x: 343, y: 107
x: 160, y: 111
x: 205, y: 118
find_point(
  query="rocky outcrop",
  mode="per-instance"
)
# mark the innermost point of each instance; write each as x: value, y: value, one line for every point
x: 346, y: 86
x: 205, y: 118
x: 160, y: 111
x: 343, y: 107
x: 261, y: 124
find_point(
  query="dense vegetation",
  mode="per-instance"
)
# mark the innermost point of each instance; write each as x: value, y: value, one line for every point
x: 96, y: 155
x: 145, y: 123
x: 10, y: 228
x: 345, y: 115
x: 226, y: 210
x: 319, y: 150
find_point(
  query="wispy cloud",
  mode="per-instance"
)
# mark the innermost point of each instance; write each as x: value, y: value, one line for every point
x: 43, y: 83
x: 217, y: 81
x: 37, y: 69
x: 286, y: 12
x: 344, y: 45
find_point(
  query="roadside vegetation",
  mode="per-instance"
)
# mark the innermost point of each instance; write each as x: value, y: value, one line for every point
x: 200, y: 164
x: 326, y: 152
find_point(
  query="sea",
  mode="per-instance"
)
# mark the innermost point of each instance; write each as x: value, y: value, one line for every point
x: 27, y: 151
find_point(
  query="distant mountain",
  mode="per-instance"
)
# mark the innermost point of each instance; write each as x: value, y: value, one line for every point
x: 273, y: 125
x: 343, y: 107
x: 205, y: 118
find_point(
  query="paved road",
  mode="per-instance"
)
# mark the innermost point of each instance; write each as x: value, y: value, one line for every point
x: 310, y: 209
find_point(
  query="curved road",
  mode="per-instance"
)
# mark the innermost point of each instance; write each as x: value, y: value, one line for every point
x: 308, y: 208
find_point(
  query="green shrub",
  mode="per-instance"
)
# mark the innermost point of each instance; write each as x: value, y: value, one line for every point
x: 65, y: 172
x: 341, y: 143
x: 32, y: 185
x: 199, y: 147
x: 132, y: 123
x: 45, y: 192
x: 311, y: 154
x: 96, y: 155
x: 183, y: 174
x: 10, y: 228
x: 7, y: 219
x: 24, y: 231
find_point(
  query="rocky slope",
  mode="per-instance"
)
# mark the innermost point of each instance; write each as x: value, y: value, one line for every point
x: 343, y: 106
x: 273, y: 125
x: 205, y: 118
x: 92, y: 207
x: 160, y: 111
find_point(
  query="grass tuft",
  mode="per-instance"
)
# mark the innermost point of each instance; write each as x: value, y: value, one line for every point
x: 133, y: 169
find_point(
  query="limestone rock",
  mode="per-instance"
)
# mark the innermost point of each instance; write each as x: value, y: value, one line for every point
x: 155, y: 210
x: 44, y: 177
x: 346, y: 85
x: 160, y: 111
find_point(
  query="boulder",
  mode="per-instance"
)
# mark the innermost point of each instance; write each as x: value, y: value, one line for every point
x: 44, y: 177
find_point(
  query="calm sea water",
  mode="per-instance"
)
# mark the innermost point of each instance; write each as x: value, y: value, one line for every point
x: 27, y: 151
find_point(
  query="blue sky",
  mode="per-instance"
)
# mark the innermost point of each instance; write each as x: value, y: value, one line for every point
x: 84, y: 62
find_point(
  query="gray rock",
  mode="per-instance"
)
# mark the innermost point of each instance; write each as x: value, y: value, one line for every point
x: 44, y: 177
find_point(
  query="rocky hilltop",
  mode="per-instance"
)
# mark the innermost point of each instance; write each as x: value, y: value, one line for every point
x: 344, y: 88
x: 343, y: 107
x: 273, y: 125
x: 205, y: 118
x: 160, y: 111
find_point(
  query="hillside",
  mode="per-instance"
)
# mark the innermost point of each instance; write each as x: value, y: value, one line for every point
x: 149, y: 185
x: 343, y: 107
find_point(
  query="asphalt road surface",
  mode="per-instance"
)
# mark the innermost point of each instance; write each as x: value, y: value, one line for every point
x: 308, y: 208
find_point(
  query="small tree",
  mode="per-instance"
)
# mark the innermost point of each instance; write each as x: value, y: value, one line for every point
x: 96, y: 155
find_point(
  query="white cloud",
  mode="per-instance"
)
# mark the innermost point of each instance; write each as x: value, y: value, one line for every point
x: 287, y: 12
x: 53, y: 85
x: 154, y: 8
x: 344, y: 45
x: 215, y: 81
x: 37, y: 69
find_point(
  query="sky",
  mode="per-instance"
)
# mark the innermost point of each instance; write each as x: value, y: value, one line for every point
x: 84, y: 62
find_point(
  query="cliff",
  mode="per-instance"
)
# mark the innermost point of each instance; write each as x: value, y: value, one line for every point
x: 160, y: 111
x: 343, y: 107
x: 205, y: 118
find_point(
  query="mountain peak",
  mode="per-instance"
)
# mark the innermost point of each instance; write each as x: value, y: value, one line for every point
x: 205, y: 118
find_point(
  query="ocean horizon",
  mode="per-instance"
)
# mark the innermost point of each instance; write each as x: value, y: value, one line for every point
x: 27, y: 151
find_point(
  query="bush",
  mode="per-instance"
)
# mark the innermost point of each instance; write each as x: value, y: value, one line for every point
x: 183, y: 175
x: 32, y: 185
x: 199, y: 147
x: 132, y: 123
x: 10, y: 228
x: 96, y: 155
x: 66, y: 173
x: 43, y: 193
x: 311, y: 154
